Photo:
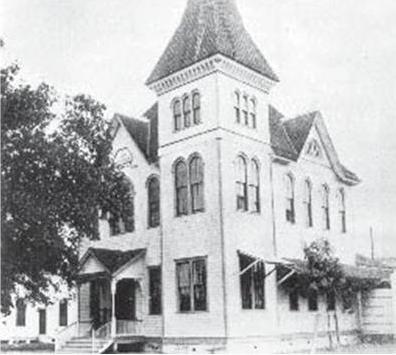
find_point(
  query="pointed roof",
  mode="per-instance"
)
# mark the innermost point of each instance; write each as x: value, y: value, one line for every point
x: 210, y: 27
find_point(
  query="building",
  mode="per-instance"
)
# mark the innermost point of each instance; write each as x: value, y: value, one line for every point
x: 225, y: 192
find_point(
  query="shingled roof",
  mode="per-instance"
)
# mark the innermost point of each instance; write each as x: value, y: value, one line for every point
x: 210, y: 27
x: 143, y: 132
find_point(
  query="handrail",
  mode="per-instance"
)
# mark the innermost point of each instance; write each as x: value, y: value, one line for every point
x: 64, y: 334
x: 103, y: 332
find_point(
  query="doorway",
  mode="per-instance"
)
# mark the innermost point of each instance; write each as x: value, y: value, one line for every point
x: 42, y: 321
x: 125, y: 300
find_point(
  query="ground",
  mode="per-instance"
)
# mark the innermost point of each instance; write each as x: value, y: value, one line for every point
x: 388, y: 348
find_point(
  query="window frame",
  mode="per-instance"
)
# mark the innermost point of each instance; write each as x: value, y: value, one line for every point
x: 290, y: 210
x: 178, y: 188
x: 191, y: 262
x: 242, y: 184
x: 237, y: 106
x: 199, y: 183
x: 196, y: 107
x: 254, y: 186
x: 308, y: 203
x: 313, y: 301
x: 326, y: 207
x: 153, y: 205
x: 177, y: 108
x: 63, y: 312
x: 186, y: 108
x: 342, y: 210
x: 20, y: 315
x: 151, y: 310
x: 253, y: 112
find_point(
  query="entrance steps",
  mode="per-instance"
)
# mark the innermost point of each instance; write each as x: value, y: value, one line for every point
x: 79, y: 345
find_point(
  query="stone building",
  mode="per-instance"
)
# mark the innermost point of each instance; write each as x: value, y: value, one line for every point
x: 225, y: 192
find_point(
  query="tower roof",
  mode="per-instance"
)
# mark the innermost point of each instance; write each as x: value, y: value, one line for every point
x: 210, y: 27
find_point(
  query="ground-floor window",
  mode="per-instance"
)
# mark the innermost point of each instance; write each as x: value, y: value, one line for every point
x: 252, y: 281
x: 21, y: 312
x: 331, y: 301
x: 293, y: 301
x: 155, y: 290
x: 191, y: 284
x: 63, y: 312
x: 313, y: 300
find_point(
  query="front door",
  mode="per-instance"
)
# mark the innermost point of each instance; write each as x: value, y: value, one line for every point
x: 42, y: 321
x: 125, y: 300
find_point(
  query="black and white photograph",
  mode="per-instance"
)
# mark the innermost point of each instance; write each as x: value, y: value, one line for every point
x: 198, y: 176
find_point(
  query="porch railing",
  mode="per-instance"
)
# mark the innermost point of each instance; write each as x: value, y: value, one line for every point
x: 65, y: 334
x: 129, y: 327
x: 102, y: 333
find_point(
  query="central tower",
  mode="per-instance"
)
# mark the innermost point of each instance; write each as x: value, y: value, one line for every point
x: 212, y: 84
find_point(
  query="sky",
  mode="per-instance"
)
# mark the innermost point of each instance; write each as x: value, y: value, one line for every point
x: 336, y: 56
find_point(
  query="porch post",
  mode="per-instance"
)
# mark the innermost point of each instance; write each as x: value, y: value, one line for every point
x: 113, y: 314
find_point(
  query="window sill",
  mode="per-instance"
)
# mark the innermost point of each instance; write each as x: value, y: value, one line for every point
x: 192, y: 312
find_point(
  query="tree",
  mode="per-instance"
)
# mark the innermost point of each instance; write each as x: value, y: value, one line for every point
x: 53, y: 184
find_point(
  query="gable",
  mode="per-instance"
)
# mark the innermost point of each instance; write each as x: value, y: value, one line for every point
x: 313, y: 149
x: 92, y: 265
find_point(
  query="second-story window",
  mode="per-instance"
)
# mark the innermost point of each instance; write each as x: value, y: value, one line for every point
x: 181, y: 182
x: 196, y: 108
x: 187, y: 111
x: 254, y: 186
x: 290, y: 211
x: 308, y: 203
x: 177, y: 116
x: 153, y: 187
x: 196, y: 184
x: 245, y: 110
x: 245, y: 107
x: 20, y: 312
x: 326, y: 207
x: 241, y: 184
x: 342, y: 210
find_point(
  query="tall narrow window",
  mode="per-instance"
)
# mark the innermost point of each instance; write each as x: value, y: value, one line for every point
x: 245, y: 110
x: 252, y: 282
x: 196, y: 184
x: 237, y: 107
x: 177, y: 117
x: 63, y: 304
x: 196, y: 108
x: 253, y: 113
x: 191, y: 281
x: 241, y: 184
x: 20, y: 312
x: 290, y: 212
x: 181, y: 184
x: 294, y: 300
x: 326, y: 207
x: 153, y: 202
x: 115, y: 224
x: 308, y: 203
x: 128, y: 215
x: 254, y: 187
x: 331, y: 301
x: 187, y: 111
x: 312, y: 300
x: 342, y: 210
x: 155, y: 290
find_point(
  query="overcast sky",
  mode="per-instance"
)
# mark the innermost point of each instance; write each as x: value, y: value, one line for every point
x: 336, y: 56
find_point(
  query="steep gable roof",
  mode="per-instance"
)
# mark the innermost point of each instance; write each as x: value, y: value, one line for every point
x: 144, y: 133
x: 210, y: 27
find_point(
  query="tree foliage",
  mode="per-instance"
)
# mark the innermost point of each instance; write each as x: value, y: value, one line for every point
x: 53, y: 184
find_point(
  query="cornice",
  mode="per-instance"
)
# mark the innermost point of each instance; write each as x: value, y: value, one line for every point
x: 215, y: 63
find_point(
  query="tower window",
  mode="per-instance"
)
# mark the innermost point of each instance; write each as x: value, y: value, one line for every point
x: 177, y: 117
x: 254, y: 186
x: 196, y: 185
x: 196, y: 108
x: 245, y: 111
x: 241, y: 184
x: 245, y: 108
x: 237, y: 107
x: 253, y: 113
x: 181, y: 182
x: 187, y: 112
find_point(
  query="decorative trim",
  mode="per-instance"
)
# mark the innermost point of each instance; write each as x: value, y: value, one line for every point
x: 215, y: 63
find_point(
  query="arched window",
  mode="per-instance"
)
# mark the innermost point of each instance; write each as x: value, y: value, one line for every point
x: 21, y: 312
x: 241, y: 184
x: 123, y: 220
x: 245, y: 110
x: 196, y: 184
x: 153, y: 188
x: 177, y: 117
x: 187, y: 111
x: 308, y: 202
x: 237, y: 107
x: 196, y: 108
x: 290, y: 211
x: 342, y: 210
x: 181, y: 185
x: 326, y: 207
x: 253, y: 113
x: 254, y: 186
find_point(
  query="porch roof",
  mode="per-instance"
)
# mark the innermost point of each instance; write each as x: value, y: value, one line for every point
x: 112, y: 260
